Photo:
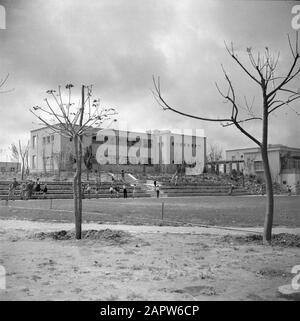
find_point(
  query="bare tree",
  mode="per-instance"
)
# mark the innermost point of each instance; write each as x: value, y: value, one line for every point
x: 215, y: 153
x: 276, y: 91
x: 20, y: 153
x: 74, y: 123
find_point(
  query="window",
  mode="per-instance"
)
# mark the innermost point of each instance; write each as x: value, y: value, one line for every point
x: 33, y: 141
x: 34, y: 161
x: 52, y: 137
x: 12, y: 169
x: 258, y: 166
x: 44, y: 140
x: 233, y: 157
x: 48, y: 139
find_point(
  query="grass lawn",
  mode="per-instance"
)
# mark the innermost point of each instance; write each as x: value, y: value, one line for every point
x: 222, y: 210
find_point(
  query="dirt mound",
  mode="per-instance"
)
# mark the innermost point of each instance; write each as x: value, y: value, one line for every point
x: 197, y: 290
x: 273, y: 273
x: 114, y: 236
x: 282, y: 239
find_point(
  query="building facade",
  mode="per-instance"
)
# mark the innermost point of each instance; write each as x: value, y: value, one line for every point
x: 111, y: 148
x: 9, y: 167
x: 284, y: 162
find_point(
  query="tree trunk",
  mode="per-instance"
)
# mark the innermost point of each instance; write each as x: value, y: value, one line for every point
x: 267, y: 236
x: 79, y: 164
x: 79, y: 183
x: 77, y: 193
x: 270, y: 197
x: 22, y: 172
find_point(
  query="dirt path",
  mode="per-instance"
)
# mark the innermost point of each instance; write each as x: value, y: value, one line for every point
x: 139, y: 229
x: 155, y: 263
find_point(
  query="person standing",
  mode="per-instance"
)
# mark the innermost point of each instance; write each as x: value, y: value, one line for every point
x: 124, y: 191
x: 117, y: 190
x: 133, y: 190
x: 12, y: 189
x: 88, y: 190
x: 29, y: 188
x: 176, y: 180
x: 45, y: 190
x: 23, y: 191
x: 98, y: 184
x: 111, y: 190
x: 230, y: 189
x: 157, y: 191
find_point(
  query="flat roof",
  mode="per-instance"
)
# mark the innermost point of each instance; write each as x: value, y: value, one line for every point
x: 270, y: 147
x: 152, y: 132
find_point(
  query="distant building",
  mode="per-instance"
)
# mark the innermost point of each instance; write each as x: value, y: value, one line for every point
x: 9, y: 167
x: 50, y: 152
x: 284, y: 162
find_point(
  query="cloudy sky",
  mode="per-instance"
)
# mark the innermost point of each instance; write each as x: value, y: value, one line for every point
x: 117, y: 45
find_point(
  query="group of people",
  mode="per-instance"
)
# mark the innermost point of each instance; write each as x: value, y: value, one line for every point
x: 27, y: 188
x: 116, y: 190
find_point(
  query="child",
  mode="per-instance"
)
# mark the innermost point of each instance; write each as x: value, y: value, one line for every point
x: 88, y: 190
x: 111, y: 190
x: 176, y: 180
x: 12, y: 189
x: 117, y: 189
x: 37, y: 185
x: 45, y: 190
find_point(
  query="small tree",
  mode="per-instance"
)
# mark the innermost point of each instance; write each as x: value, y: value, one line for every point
x: 214, y: 155
x: 20, y: 153
x: 74, y: 123
x: 276, y: 92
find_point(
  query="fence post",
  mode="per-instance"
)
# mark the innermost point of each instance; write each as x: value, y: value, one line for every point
x: 162, y: 209
x: 51, y: 203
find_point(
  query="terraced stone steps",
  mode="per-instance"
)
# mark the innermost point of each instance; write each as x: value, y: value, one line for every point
x: 64, y: 190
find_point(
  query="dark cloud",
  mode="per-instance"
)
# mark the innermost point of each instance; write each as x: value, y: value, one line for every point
x: 118, y: 45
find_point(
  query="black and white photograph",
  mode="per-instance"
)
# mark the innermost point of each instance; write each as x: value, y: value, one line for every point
x: 149, y: 153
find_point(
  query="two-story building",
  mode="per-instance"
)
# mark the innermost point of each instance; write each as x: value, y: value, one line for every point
x: 51, y: 151
x: 284, y: 162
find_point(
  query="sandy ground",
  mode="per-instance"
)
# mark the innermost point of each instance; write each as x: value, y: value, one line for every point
x: 154, y: 263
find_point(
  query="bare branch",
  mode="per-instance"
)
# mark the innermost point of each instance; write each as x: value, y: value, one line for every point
x: 283, y: 103
x: 231, y: 53
x: 165, y: 106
